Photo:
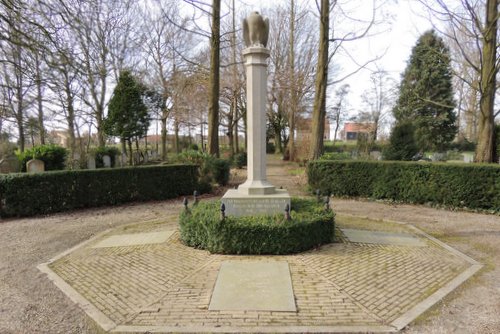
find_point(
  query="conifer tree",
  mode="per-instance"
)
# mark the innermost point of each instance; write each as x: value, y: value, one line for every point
x: 127, y: 114
x: 426, y: 94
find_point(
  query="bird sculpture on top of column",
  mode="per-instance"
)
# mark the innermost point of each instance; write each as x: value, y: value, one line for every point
x: 256, y: 30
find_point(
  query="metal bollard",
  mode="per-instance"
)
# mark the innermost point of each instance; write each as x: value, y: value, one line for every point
x: 287, y: 212
x: 222, y: 211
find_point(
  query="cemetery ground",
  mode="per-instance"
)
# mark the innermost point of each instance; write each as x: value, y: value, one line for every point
x: 31, y: 303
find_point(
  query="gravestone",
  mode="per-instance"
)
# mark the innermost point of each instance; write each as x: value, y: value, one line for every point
x: 123, y: 159
x: 91, y: 162
x: 376, y: 155
x: 75, y: 163
x: 438, y: 156
x: 468, y: 157
x: 10, y: 164
x: 136, y: 156
x: 106, y: 161
x: 35, y: 166
x: 256, y: 195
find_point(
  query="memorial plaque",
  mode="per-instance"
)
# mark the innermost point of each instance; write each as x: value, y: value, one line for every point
x: 253, y: 286
x: 238, y: 204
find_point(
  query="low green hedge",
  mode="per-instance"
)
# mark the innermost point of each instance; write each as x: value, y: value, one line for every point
x: 42, y: 193
x: 309, y: 227
x: 475, y: 186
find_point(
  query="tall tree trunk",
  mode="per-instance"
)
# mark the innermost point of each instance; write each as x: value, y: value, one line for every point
x: 230, y: 124
x: 213, y: 98
x: 278, y: 121
x: 471, y: 113
x: 485, y: 143
x: 337, y: 125
x: 130, y: 156
x: 319, y: 109
x: 293, y: 87
x: 176, y: 136
x: 376, y: 121
x: 19, y: 107
x: 236, y: 137
x: 124, y: 147
x: 99, y: 115
x: 164, y: 135
x: 70, y: 116
x: 202, y: 138
x: 39, y: 97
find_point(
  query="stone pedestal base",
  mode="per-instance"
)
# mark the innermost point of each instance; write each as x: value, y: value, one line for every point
x: 256, y: 188
x: 239, y: 204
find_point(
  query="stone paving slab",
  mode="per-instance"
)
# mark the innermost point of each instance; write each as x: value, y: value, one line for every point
x: 384, y: 238
x: 253, y: 286
x: 134, y: 239
x: 341, y: 287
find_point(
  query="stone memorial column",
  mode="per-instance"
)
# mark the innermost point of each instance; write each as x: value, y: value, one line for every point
x: 256, y: 70
x: 256, y: 195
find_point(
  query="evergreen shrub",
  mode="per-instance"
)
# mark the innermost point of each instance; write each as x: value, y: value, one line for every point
x: 270, y: 148
x: 52, y: 155
x: 310, y: 226
x: 240, y: 160
x: 42, y: 193
x: 212, y: 169
x: 336, y: 156
x: 474, y: 186
x: 402, y: 144
x: 99, y: 152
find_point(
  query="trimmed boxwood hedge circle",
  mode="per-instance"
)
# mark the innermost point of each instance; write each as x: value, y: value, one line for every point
x: 310, y: 226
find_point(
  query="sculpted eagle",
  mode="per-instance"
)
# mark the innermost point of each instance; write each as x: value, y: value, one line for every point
x: 255, y: 30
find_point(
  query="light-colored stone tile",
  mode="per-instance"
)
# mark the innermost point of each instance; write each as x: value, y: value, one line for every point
x: 384, y: 238
x: 123, y: 240
x: 253, y: 286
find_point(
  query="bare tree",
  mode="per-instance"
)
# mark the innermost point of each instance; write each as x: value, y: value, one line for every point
x: 475, y: 24
x: 378, y: 99
x: 100, y: 28
x: 339, y: 110
x: 16, y: 81
x: 291, y: 71
x: 325, y: 56
x: 167, y: 45
x: 213, y: 97
x: 319, y: 109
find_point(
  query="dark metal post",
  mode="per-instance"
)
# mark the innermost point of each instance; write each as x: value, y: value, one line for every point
x: 222, y: 211
x: 287, y: 212
x: 185, y: 202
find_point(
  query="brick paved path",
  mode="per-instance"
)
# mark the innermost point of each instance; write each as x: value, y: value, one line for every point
x: 339, y: 287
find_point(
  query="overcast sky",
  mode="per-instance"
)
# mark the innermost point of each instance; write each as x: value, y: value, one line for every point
x: 401, y: 23
x: 408, y: 23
